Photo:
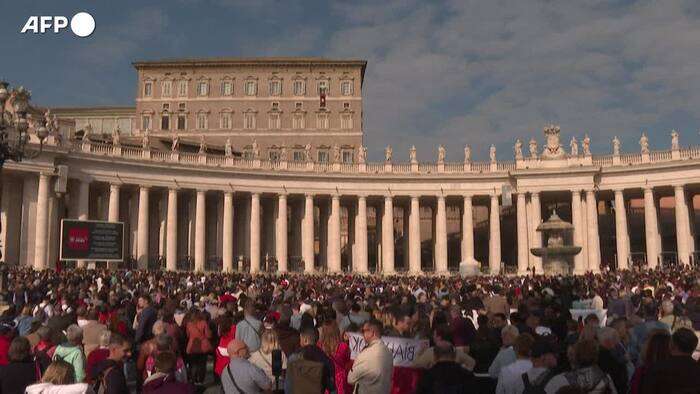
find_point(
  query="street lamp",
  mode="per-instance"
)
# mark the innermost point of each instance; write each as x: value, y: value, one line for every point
x: 14, y: 136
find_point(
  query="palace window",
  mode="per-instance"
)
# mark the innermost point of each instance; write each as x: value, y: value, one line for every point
x: 275, y: 88
x: 275, y: 106
x: 146, y: 122
x: 148, y: 89
x: 181, y: 122
x: 226, y: 88
x: 347, y: 156
x: 167, y: 88
x: 298, y: 121
x: 322, y: 120
x: 202, y: 121
x: 274, y: 155
x: 298, y: 156
x: 181, y: 106
x: 248, y: 154
x: 165, y: 122
x: 182, y: 88
x: 298, y: 105
x: 251, y: 88
x: 322, y: 156
x: 202, y: 88
x: 346, y: 88
x: 274, y: 121
x: 346, y: 105
x: 323, y: 87
x: 225, y: 120
x: 346, y: 121
x: 299, y: 88
x: 249, y: 121
x: 166, y: 106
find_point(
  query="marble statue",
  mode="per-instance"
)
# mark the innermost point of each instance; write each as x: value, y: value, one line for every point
x: 116, y: 137
x: 644, y: 144
x: 256, y: 150
x: 441, y: 154
x: 202, y: 145
x: 362, y: 155
x: 492, y: 153
x: 283, y: 154
x: 88, y: 130
x: 228, y: 149
x: 146, y: 140
x: 533, y: 148
x: 336, y: 153
x: 553, y: 149
x: 616, y: 146
x: 586, y: 145
x: 574, y: 146
x: 388, y: 152
x: 176, y: 143
x: 518, y: 148
x: 412, y: 155
x: 307, y: 152
x: 467, y: 153
x: 675, y: 145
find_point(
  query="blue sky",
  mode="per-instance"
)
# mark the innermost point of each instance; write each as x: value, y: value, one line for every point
x: 447, y: 72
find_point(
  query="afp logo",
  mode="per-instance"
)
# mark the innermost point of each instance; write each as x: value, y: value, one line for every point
x: 82, y: 24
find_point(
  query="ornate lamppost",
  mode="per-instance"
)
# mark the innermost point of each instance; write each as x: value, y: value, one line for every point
x: 14, y: 137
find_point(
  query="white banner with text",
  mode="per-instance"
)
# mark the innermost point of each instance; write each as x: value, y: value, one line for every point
x: 404, y: 350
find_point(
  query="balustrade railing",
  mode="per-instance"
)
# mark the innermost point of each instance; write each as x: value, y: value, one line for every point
x: 131, y: 152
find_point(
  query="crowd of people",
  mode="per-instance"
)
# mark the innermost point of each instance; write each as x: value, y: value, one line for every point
x: 85, y: 331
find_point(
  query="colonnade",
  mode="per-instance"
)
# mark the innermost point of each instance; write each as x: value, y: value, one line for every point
x: 584, y: 205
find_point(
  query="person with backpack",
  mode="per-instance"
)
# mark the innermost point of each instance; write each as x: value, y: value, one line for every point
x: 198, y: 346
x: 544, y: 362
x: 71, y: 351
x: 109, y: 373
x: 587, y: 375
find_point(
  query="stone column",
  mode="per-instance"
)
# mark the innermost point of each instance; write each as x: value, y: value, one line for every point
x: 467, y: 231
x: 593, y: 239
x: 621, y: 231
x: 388, y: 236
x: 307, y: 229
x: 494, y: 236
x: 281, y: 233
x: 171, y: 241
x: 333, y: 250
x: 441, y: 236
x: 42, y: 223
x: 651, y: 228
x: 227, y: 252
x: 254, y: 232
x: 523, y: 251
x: 200, y: 230
x: 142, y: 228
x: 361, y: 235
x: 83, y: 208
x: 113, y: 215
x: 414, y: 240
x: 682, y: 225
x: 536, y: 235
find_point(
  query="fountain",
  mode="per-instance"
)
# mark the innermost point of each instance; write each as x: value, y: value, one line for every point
x: 556, y: 257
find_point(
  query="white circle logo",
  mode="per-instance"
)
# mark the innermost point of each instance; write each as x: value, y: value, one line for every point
x: 82, y: 24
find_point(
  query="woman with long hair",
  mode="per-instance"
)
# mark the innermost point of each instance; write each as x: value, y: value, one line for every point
x: 337, y: 350
x: 58, y: 378
x: 657, y: 348
x: 262, y: 358
x: 21, y: 371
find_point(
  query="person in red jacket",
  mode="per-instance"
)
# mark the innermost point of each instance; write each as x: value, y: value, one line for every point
x: 227, y: 332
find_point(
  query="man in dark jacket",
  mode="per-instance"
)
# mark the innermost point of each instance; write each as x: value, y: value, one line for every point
x: 310, y: 352
x: 611, y: 358
x: 679, y: 374
x: 146, y: 318
x: 110, y: 371
x: 446, y: 375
